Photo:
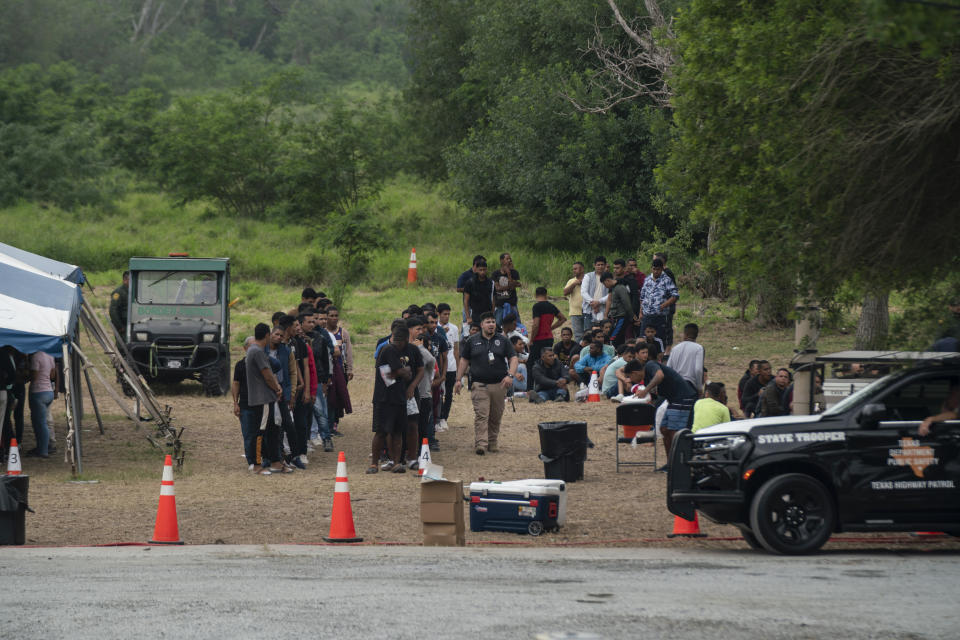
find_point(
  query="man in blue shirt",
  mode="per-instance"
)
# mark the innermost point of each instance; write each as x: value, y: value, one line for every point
x: 658, y: 293
x: 595, y: 360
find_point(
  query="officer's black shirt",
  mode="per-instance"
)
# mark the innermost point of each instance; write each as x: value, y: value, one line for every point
x: 488, y: 358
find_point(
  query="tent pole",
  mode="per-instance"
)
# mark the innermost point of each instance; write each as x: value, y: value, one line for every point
x: 93, y: 400
x: 71, y: 450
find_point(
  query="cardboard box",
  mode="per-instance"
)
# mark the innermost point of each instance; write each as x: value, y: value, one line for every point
x: 443, y: 535
x: 440, y: 512
x: 441, y: 491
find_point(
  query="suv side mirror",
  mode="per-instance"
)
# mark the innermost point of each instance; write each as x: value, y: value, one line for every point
x: 871, y: 413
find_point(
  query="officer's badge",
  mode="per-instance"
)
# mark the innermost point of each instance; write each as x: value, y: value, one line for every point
x: 116, y: 296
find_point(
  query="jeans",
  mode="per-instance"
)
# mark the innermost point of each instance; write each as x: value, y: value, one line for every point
x: 449, y: 383
x: 250, y: 428
x: 554, y: 394
x: 577, y: 323
x: 520, y: 385
x: 321, y: 425
x: 39, y: 410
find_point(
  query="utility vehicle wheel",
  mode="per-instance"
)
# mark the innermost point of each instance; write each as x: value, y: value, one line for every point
x: 535, y: 528
x: 127, y: 389
x: 792, y: 514
x: 216, y: 379
x: 751, y: 539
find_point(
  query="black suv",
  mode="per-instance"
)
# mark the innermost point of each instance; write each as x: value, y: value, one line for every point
x: 789, y: 482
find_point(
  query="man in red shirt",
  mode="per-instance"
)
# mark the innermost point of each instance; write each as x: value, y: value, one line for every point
x: 546, y: 319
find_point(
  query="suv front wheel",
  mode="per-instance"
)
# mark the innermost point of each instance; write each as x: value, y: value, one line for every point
x: 792, y: 514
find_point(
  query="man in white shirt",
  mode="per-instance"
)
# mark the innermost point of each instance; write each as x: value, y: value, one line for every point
x: 593, y: 293
x: 453, y: 356
x: 686, y: 358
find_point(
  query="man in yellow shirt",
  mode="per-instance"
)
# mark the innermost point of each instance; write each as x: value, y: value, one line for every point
x: 572, y: 291
x: 711, y: 409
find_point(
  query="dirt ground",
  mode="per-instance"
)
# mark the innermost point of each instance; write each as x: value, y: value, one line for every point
x: 219, y: 501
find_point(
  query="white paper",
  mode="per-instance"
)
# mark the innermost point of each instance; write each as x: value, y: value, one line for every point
x: 386, y: 376
x: 432, y: 472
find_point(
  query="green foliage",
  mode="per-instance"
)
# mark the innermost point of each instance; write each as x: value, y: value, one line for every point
x: 923, y: 315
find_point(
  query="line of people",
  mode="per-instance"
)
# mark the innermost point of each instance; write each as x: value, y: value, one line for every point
x: 28, y: 379
x: 290, y: 390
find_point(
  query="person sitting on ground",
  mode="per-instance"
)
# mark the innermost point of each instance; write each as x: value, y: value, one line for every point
x: 567, y: 351
x: 618, y: 309
x: 550, y: 378
x: 596, y: 335
x: 520, y: 380
x: 593, y: 361
x: 775, y: 401
x: 712, y: 408
x: 546, y: 318
x: 610, y: 383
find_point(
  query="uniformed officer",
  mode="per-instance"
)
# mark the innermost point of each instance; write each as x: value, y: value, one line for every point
x: 118, y: 305
x: 493, y: 364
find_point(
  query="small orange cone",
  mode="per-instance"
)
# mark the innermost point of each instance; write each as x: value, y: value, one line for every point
x: 424, y: 458
x: 13, y: 459
x: 165, y: 531
x: 594, y: 386
x: 686, y: 528
x: 412, y: 269
x: 341, y: 520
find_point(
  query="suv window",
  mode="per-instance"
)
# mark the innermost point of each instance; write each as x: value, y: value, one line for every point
x: 177, y: 287
x: 918, y: 398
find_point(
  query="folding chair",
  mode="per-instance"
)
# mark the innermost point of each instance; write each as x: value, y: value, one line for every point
x: 635, y: 421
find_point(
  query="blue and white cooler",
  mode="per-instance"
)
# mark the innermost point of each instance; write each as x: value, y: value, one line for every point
x: 520, y: 506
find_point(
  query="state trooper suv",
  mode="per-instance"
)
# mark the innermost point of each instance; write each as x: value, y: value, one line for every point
x: 790, y: 482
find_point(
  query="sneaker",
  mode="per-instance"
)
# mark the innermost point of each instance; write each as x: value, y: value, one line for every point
x: 328, y: 445
x: 299, y: 465
x: 480, y: 451
x: 387, y: 465
x: 336, y: 432
x: 443, y: 426
x: 264, y: 472
x: 251, y: 467
x: 399, y: 468
x: 617, y: 398
x: 492, y: 447
x: 303, y: 459
x: 413, y: 465
x: 372, y: 469
x: 310, y: 448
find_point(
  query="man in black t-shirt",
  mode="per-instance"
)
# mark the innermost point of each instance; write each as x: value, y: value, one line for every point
x: 478, y: 294
x: 505, y: 282
x: 568, y: 352
x: 546, y: 317
x: 493, y: 364
x: 241, y: 408
x: 399, y: 369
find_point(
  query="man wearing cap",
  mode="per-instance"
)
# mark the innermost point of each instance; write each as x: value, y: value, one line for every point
x: 492, y: 362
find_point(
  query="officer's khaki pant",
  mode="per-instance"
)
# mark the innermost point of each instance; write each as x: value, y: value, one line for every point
x: 488, y: 409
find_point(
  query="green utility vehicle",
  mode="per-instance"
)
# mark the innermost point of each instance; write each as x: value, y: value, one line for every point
x: 178, y: 320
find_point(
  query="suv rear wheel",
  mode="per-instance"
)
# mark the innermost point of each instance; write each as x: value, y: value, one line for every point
x: 792, y: 514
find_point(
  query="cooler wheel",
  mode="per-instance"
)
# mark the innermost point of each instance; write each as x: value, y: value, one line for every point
x: 535, y: 528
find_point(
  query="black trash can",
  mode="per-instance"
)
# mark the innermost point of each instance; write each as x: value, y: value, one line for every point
x: 563, y: 448
x: 13, y: 509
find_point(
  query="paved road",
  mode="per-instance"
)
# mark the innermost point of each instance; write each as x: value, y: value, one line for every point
x: 422, y: 593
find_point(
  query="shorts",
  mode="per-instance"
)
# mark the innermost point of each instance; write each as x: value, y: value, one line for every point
x: 389, y: 419
x: 677, y: 419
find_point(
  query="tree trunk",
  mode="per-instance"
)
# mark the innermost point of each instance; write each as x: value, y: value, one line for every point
x: 874, y: 322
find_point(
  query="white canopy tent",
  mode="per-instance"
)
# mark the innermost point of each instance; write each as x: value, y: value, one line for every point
x: 40, y: 307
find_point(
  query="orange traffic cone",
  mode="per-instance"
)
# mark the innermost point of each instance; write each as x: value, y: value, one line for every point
x: 412, y: 269
x: 424, y: 458
x: 594, y: 393
x: 341, y: 520
x: 686, y: 528
x: 165, y: 531
x: 13, y: 459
